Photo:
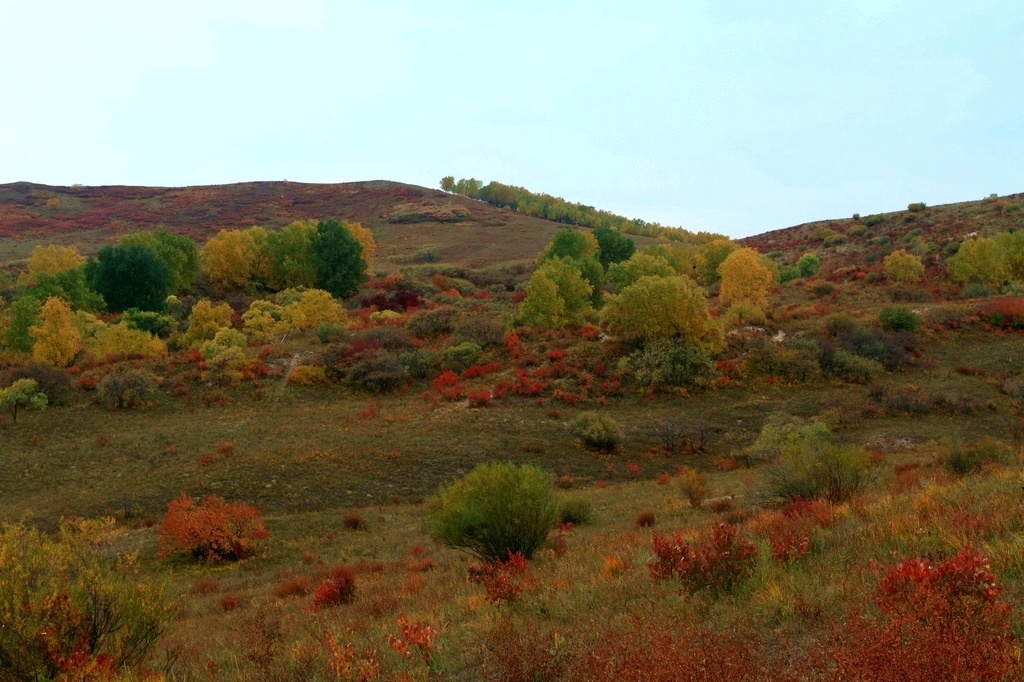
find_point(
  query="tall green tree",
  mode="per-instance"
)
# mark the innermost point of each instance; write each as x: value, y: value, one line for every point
x: 177, y: 251
x: 23, y: 316
x: 581, y: 248
x: 340, y: 267
x: 68, y: 285
x: 613, y: 246
x: 130, y: 276
x: 292, y: 255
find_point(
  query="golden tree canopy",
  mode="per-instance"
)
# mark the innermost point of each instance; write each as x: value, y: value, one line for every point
x: 662, y: 308
x: 903, y: 266
x: 56, y: 339
x: 745, y: 278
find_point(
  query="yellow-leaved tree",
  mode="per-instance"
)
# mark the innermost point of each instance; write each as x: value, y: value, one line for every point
x: 314, y: 308
x: 365, y: 239
x: 204, y: 322
x: 657, y: 308
x: 745, y: 278
x: 903, y: 266
x: 56, y: 339
x: 232, y: 258
x: 263, y: 319
x: 120, y: 339
x: 979, y: 260
x: 50, y: 259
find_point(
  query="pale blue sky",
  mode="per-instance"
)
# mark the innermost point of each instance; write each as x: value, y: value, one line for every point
x: 736, y: 117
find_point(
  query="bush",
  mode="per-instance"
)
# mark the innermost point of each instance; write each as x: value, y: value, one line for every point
x: 494, y: 511
x: 377, y: 373
x: 916, y: 207
x: 694, y: 485
x: 429, y: 324
x: 788, y: 274
x: 418, y: 363
x: 597, y: 431
x: 214, y: 529
x: 576, y: 511
x: 667, y: 363
x: 850, y: 367
x: 809, y: 471
x: 307, y: 375
x: 898, y: 318
x: 50, y: 381
x: 427, y: 254
x: 126, y: 388
x: 329, y: 332
x: 718, y: 562
x: 339, y: 587
x: 972, y: 457
x: 72, y: 606
x: 480, y: 329
x: 460, y: 357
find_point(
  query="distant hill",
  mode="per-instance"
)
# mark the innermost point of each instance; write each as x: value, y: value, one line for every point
x: 862, y: 239
x: 403, y: 218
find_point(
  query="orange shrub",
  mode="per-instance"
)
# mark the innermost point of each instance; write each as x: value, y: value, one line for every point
x: 214, y: 529
x: 339, y: 587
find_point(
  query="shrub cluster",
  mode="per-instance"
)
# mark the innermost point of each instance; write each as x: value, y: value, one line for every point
x: 718, y: 562
x: 214, y: 529
x: 597, y: 431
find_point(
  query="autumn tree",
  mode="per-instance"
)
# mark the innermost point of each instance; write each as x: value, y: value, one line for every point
x: 979, y: 260
x: 178, y: 252
x: 56, y: 340
x: 745, y: 278
x: 130, y: 276
x: 313, y: 308
x: 120, y: 340
x: 231, y: 258
x: 263, y: 319
x: 22, y: 393
x: 581, y: 248
x: 205, y: 320
x: 613, y: 246
x: 365, y: 239
x: 448, y: 183
x: 51, y: 259
x: 663, y: 308
x: 1011, y: 244
x: 641, y: 264
x: 903, y: 266
x: 557, y: 295
x: 712, y: 255
x: 339, y: 260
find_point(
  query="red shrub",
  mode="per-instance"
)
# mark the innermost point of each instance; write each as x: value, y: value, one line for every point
x: 645, y: 519
x: 213, y: 530
x: 1007, y: 313
x: 941, y: 621
x: 500, y: 578
x: 353, y: 521
x: 339, y: 587
x: 719, y: 562
x: 479, y: 398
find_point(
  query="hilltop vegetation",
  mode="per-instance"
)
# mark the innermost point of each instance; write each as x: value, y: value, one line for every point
x: 323, y: 447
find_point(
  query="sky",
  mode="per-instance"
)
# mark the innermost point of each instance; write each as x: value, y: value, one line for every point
x: 734, y: 117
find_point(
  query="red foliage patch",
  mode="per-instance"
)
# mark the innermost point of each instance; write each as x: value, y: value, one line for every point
x: 718, y: 562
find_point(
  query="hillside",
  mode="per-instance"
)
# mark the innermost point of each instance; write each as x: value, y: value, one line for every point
x: 812, y: 480
x: 403, y: 218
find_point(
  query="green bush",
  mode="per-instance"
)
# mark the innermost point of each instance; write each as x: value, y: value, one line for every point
x: 377, y: 373
x: 972, y: 457
x: 668, y: 363
x: 418, y: 363
x: 330, y: 333
x: 496, y: 510
x: 809, y: 264
x: 873, y: 220
x: 852, y: 367
x: 917, y: 207
x: 788, y: 274
x: 576, y: 511
x: 808, y: 463
x: 597, y: 431
x: 429, y: 324
x: 898, y: 318
x: 427, y: 254
x: 459, y: 357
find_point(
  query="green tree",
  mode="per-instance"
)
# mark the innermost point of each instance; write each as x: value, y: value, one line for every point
x: 131, y: 276
x: 663, y: 308
x: 178, y: 252
x: 712, y: 255
x: 613, y: 246
x: 557, y: 295
x: 495, y: 510
x: 69, y: 285
x: 642, y: 264
x: 570, y: 243
x: 809, y: 264
x: 24, y: 314
x: 339, y: 261
x: 22, y: 393
x: 292, y: 255
x: 448, y: 183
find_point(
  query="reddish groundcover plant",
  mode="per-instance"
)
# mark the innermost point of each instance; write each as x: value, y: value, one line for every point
x: 339, y: 587
x: 214, y: 529
x: 719, y: 561
x: 938, y: 621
